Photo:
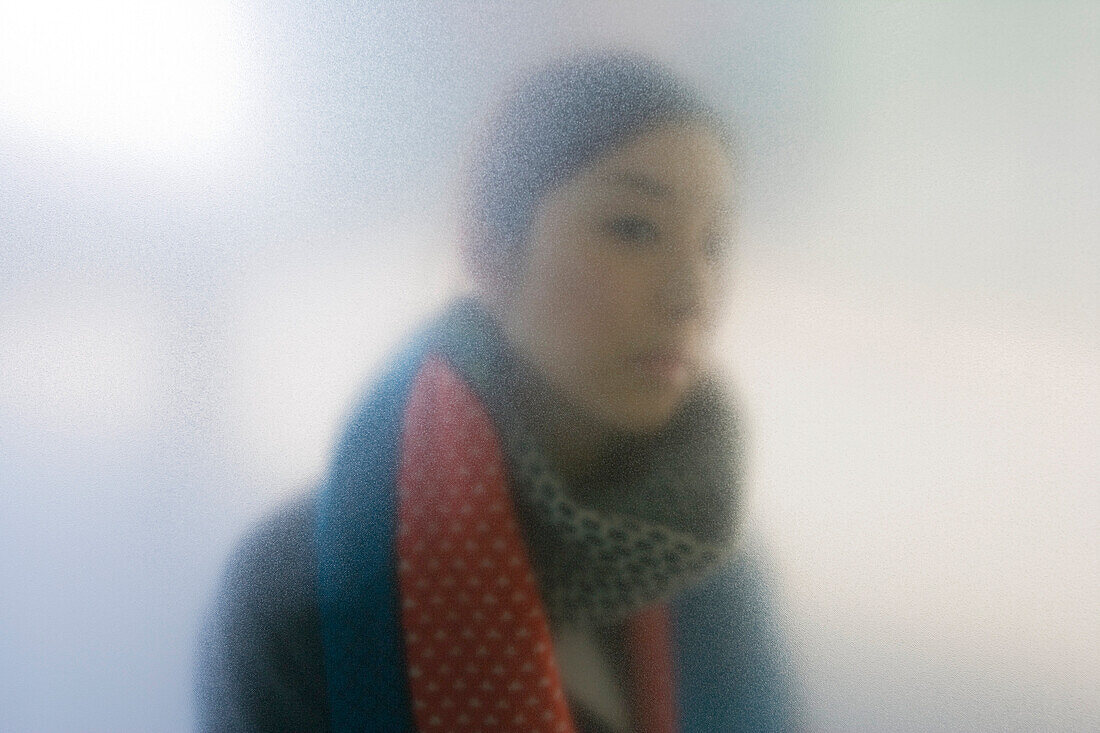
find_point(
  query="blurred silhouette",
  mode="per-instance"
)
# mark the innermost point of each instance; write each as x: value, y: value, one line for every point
x: 533, y: 519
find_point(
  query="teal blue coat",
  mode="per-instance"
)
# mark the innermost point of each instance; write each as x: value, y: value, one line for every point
x: 730, y: 665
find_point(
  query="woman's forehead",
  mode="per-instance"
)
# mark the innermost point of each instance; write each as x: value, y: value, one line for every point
x: 668, y: 165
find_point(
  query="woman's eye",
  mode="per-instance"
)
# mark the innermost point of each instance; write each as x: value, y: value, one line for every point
x: 633, y: 229
x: 716, y: 246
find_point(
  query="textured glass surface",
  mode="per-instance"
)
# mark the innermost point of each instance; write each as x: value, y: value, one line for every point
x: 218, y: 217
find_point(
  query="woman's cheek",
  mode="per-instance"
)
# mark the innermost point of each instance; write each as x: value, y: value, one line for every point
x: 592, y: 297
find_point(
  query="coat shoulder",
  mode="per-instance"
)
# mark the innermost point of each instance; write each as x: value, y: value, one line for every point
x: 261, y: 664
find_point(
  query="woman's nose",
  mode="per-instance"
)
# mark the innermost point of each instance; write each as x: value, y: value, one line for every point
x: 684, y: 286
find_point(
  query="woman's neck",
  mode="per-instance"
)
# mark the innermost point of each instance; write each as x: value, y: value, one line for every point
x: 576, y: 441
x: 573, y: 439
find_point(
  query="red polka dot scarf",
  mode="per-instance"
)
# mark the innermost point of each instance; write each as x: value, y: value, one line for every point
x: 450, y: 549
x: 481, y: 588
x: 655, y: 516
x: 477, y: 638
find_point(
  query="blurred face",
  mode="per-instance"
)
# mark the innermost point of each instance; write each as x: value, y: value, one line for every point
x: 623, y: 277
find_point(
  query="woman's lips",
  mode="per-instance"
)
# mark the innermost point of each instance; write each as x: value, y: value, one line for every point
x: 667, y: 366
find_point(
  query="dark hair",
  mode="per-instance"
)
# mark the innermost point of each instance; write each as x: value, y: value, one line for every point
x: 559, y: 119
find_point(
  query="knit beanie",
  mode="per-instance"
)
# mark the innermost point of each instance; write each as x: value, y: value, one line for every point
x: 556, y: 122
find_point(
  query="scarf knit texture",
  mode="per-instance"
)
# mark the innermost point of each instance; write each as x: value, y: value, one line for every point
x: 655, y: 515
x: 496, y: 552
x: 494, y: 555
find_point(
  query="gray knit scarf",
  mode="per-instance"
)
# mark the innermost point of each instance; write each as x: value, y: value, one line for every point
x: 656, y: 515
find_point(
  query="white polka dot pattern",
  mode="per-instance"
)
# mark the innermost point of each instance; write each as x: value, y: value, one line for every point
x: 477, y: 642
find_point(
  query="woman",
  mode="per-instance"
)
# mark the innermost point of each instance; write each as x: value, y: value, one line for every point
x: 531, y: 522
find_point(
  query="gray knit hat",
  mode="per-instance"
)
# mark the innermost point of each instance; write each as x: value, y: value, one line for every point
x: 557, y: 121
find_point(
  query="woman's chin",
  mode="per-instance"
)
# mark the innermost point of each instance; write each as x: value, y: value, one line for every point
x: 643, y: 411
